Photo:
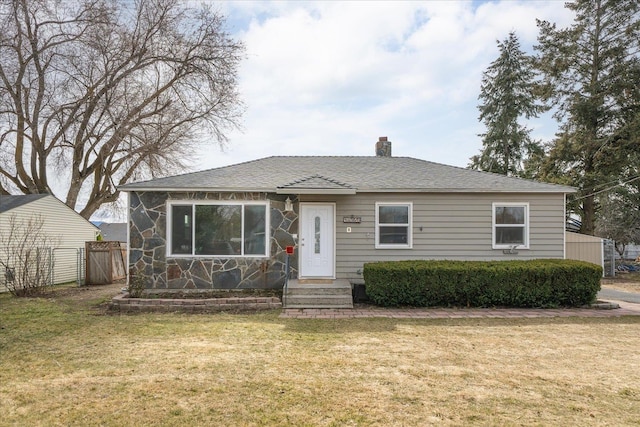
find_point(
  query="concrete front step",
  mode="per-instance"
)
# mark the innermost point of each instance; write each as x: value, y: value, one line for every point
x: 319, y: 301
x: 333, y: 306
x: 318, y: 291
x: 329, y: 294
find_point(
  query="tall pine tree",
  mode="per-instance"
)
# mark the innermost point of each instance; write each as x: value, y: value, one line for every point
x: 506, y: 97
x: 589, y: 75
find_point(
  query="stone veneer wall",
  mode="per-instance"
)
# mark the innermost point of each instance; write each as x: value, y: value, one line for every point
x: 148, y: 247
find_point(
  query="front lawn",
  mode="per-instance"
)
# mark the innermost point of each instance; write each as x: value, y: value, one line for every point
x: 63, y: 361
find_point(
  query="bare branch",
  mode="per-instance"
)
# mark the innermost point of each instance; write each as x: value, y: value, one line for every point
x: 100, y: 87
x: 25, y: 256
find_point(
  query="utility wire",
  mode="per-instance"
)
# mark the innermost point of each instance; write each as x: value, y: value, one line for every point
x: 608, y: 188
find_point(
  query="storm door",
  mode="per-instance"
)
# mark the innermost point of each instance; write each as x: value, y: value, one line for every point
x: 317, y: 236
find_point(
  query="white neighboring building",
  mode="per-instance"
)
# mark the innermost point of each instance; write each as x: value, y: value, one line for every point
x: 632, y: 252
x: 114, y: 231
x: 61, y: 224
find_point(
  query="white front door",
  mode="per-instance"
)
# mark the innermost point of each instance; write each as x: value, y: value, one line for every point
x: 317, y: 240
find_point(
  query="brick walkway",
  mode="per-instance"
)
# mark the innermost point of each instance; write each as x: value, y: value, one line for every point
x: 626, y: 309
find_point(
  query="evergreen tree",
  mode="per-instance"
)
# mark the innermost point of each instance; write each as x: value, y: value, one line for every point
x: 590, y: 76
x: 506, y: 97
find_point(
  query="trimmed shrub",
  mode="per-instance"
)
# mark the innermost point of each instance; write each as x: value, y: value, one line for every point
x: 534, y: 283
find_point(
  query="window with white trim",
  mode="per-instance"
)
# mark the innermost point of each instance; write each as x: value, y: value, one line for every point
x: 510, y: 225
x: 217, y: 228
x: 394, y: 225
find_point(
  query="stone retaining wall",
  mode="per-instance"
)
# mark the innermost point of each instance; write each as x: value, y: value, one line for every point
x: 125, y: 304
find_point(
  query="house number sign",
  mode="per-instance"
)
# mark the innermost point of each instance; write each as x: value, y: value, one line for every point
x: 351, y: 219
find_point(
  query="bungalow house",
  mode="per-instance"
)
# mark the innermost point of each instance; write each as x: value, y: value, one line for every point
x: 62, y: 229
x: 230, y: 227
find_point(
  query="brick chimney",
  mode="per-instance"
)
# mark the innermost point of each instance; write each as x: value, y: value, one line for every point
x: 383, y: 147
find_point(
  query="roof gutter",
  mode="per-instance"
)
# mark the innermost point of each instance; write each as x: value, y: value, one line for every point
x: 347, y: 191
x: 128, y: 188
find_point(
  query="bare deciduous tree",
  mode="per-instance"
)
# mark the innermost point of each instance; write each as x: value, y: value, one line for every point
x: 97, y: 93
x: 619, y: 217
x: 25, y: 256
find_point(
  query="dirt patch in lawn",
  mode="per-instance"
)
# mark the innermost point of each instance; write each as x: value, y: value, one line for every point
x: 88, y: 293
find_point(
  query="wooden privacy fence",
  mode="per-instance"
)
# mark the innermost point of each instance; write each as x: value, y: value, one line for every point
x: 105, y: 262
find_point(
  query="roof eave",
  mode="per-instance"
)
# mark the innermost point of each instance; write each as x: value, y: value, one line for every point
x: 347, y: 191
x: 465, y: 190
x: 203, y: 189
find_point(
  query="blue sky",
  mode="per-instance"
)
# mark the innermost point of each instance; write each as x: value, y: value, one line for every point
x: 329, y: 78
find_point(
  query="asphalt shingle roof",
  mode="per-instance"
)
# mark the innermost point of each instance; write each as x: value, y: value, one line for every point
x: 362, y: 174
x: 11, y: 202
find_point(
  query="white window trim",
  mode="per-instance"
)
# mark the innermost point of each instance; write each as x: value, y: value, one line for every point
x: 526, y: 225
x: 409, y: 244
x: 193, y: 203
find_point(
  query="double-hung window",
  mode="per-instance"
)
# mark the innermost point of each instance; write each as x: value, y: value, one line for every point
x: 218, y: 228
x: 510, y: 225
x: 393, y: 225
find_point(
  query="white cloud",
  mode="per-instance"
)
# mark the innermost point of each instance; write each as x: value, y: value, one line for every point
x: 328, y: 78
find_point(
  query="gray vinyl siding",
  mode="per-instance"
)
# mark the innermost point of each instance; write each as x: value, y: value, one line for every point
x: 454, y: 226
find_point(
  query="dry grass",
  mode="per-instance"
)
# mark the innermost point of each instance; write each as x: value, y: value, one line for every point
x: 628, y: 282
x: 63, y: 362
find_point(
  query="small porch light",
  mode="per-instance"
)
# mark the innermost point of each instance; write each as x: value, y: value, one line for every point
x: 288, y: 205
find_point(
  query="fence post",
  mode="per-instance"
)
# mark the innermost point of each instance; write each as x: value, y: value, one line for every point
x: 87, y: 269
x: 79, y: 264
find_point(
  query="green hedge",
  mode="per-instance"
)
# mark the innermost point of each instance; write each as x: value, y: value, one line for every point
x: 534, y: 283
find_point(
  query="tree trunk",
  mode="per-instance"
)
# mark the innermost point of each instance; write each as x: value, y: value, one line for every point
x: 588, y: 217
